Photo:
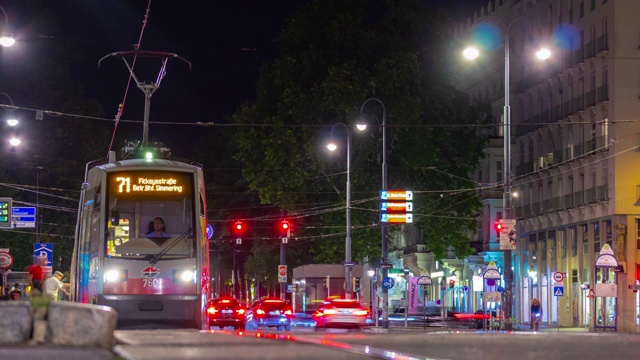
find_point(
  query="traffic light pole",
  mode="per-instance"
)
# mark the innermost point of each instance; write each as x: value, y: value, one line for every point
x: 283, y: 261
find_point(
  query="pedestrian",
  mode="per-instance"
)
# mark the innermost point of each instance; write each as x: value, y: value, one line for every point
x: 15, y: 294
x: 36, y: 274
x: 536, y: 314
x: 53, y: 285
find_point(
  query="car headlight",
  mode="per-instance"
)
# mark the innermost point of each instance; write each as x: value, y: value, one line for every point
x: 187, y: 275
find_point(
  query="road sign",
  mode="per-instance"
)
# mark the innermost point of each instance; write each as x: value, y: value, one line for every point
x: 558, y: 291
x: 6, y: 260
x: 396, y: 218
x: 396, y: 195
x: 5, y: 213
x: 23, y: 217
x: 209, y: 231
x: 508, y: 234
x: 592, y: 294
x: 43, y: 250
x: 282, y: 273
x: 558, y: 276
x: 388, y: 283
x: 396, y: 206
x: 348, y: 263
x: 385, y: 266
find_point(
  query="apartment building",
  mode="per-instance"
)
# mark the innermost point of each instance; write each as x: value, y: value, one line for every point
x: 575, y: 152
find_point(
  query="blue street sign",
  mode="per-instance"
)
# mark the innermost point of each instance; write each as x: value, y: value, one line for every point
x: 31, y: 211
x: 209, y: 231
x: 388, y: 283
x: 42, y: 250
x: 558, y: 291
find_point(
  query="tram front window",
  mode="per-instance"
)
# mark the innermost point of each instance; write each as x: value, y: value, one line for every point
x: 167, y: 199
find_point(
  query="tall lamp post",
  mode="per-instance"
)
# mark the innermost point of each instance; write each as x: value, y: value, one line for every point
x: 347, y: 241
x: 385, y: 241
x: 542, y: 54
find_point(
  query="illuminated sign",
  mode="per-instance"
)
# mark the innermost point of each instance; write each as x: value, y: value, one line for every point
x: 145, y: 183
x: 396, y: 206
x: 396, y: 195
x: 396, y: 218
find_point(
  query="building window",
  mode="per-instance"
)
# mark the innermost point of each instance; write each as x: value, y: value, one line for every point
x: 542, y: 240
x: 552, y: 244
x: 608, y: 234
x: 585, y: 239
x: 573, y: 237
x: 562, y: 236
x: 580, y: 9
x: 637, y: 234
x: 499, y: 171
x: 574, y: 275
x: 596, y: 237
x: 593, y: 5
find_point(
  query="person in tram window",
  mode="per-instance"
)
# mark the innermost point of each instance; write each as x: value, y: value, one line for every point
x: 158, y: 229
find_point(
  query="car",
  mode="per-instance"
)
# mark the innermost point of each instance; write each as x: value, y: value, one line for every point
x: 269, y: 313
x: 340, y: 313
x: 226, y: 312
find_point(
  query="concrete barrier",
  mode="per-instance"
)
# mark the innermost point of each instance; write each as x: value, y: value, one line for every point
x: 16, y: 322
x: 71, y: 324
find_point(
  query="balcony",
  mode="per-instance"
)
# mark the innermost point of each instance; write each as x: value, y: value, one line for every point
x: 578, y: 103
x: 603, y: 93
x: 602, y: 192
x: 566, y: 108
x: 578, y: 198
x: 590, y: 98
x: 590, y: 195
x: 578, y: 56
x: 589, y: 50
x: 602, y: 44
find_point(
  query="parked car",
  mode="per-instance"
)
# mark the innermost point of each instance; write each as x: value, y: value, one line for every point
x: 226, y: 312
x: 344, y: 313
x: 269, y: 313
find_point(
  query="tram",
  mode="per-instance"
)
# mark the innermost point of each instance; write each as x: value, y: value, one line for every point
x: 119, y: 260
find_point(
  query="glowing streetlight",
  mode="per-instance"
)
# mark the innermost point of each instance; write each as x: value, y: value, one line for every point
x: 543, y: 54
x: 6, y: 39
x: 14, y: 141
x: 471, y: 53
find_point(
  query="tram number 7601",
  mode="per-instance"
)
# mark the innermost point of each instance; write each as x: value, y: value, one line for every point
x: 150, y: 283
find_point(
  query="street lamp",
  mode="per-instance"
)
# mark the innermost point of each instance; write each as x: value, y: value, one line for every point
x: 347, y: 241
x: 372, y: 296
x: 542, y: 54
x: 385, y: 242
x: 11, y: 121
x: 6, y: 39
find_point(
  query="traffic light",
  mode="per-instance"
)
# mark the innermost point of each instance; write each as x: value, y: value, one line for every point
x: 498, y: 225
x: 284, y: 228
x: 452, y: 284
x: 5, y: 213
x: 238, y: 228
x: 356, y: 284
x: 325, y: 281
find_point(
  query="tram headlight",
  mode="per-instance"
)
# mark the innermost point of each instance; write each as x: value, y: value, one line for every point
x: 115, y: 275
x: 184, y: 275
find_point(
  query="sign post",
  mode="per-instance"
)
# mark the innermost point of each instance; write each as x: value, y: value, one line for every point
x: 43, y: 250
x: 282, y: 273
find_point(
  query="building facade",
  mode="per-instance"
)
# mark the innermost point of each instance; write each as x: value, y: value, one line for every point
x: 575, y: 152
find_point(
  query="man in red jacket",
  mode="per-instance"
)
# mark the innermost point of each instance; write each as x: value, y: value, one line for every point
x: 36, y: 274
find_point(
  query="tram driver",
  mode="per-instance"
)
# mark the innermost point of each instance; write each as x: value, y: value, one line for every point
x: 158, y: 229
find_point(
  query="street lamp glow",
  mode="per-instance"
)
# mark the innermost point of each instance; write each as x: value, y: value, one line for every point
x: 332, y: 147
x: 371, y: 272
x: 14, y: 141
x: 361, y: 126
x: 543, y: 54
x: 12, y: 122
x: 471, y: 53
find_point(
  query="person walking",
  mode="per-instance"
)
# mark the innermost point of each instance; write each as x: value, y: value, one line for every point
x: 53, y: 285
x: 536, y: 314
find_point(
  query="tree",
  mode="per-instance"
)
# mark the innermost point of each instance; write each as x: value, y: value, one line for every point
x: 336, y: 54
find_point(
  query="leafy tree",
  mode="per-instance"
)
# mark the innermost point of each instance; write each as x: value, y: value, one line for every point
x: 336, y: 54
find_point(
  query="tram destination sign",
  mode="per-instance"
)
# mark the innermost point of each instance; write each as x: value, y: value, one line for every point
x: 157, y: 184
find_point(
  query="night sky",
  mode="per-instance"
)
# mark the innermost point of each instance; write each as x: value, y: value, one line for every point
x: 225, y: 41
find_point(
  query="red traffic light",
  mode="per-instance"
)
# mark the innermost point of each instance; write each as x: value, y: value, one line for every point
x: 498, y: 226
x: 238, y: 228
x: 452, y: 284
x: 284, y: 228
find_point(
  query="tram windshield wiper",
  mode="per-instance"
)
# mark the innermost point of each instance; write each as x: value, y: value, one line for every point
x: 174, y: 242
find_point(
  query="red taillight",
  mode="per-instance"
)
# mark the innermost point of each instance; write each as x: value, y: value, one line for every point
x: 361, y: 312
x: 240, y: 311
x: 260, y: 313
x: 329, y: 312
x: 225, y: 301
x: 212, y: 310
x: 288, y: 312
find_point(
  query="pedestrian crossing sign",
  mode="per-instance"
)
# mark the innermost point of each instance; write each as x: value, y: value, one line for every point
x: 558, y: 291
